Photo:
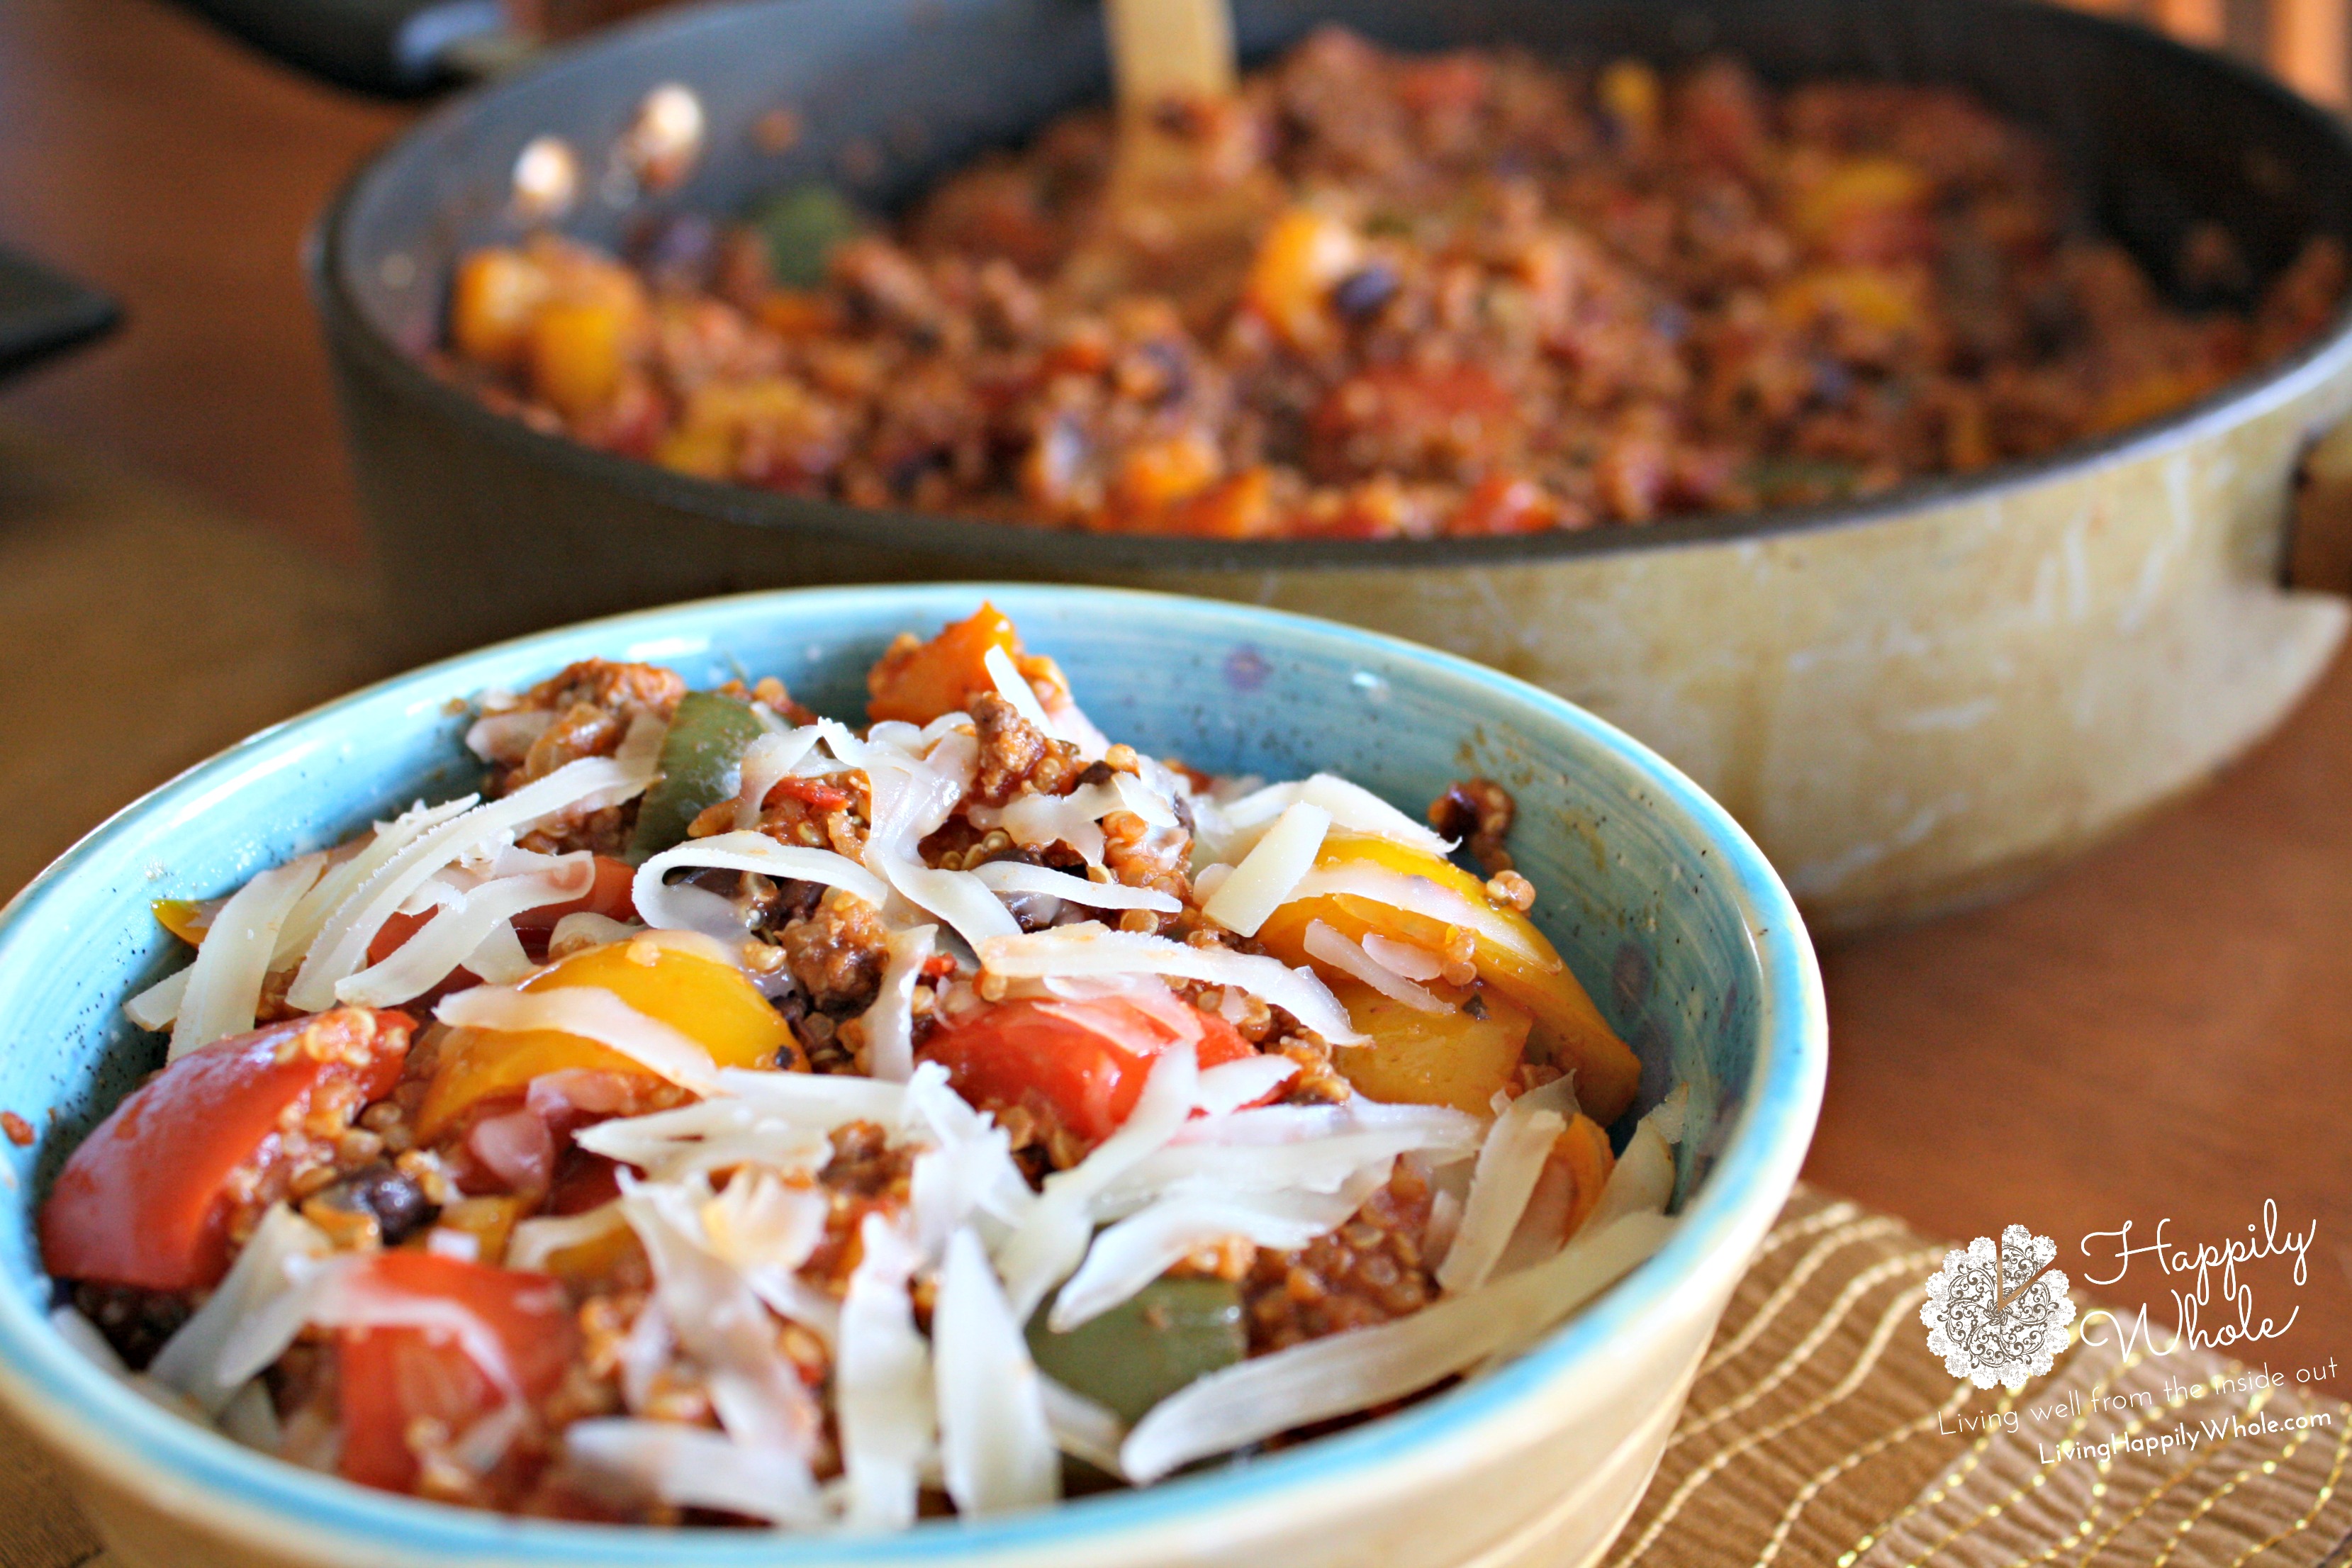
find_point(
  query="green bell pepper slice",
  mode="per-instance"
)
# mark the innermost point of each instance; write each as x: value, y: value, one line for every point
x: 701, y: 764
x: 1171, y: 1334
x: 800, y: 228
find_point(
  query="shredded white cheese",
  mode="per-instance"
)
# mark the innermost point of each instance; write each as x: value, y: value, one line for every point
x: 507, y: 737
x: 1265, y: 877
x: 1091, y: 948
x: 534, y: 1241
x: 223, y: 987
x: 1052, y: 1238
x: 155, y: 1007
x: 1421, y: 896
x: 719, y: 1321
x: 693, y: 1467
x: 1020, y: 876
x: 1325, y: 945
x: 1082, y: 1428
x: 766, y: 761
x: 1132, y: 1254
x: 303, y: 927
x: 996, y: 1448
x: 713, y: 1135
x: 459, y: 931
x: 890, y: 1020
x: 659, y: 904
x: 1014, y: 687
x: 1227, y: 1087
x: 1353, y: 808
x: 1512, y: 1159
x: 1408, y: 959
x: 343, y: 941
x: 882, y: 1382
x: 260, y: 1294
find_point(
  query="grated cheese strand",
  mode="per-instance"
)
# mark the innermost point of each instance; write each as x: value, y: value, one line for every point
x: 342, y: 946
x: 1263, y: 880
x: 223, y: 987
x: 996, y: 1446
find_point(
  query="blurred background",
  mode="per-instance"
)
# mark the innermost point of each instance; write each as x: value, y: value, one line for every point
x: 2156, y: 1029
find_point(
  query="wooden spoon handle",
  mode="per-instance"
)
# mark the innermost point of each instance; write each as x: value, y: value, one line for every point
x: 1169, y: 48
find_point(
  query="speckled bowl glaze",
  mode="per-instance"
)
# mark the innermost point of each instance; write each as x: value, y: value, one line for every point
x: 1667, y: 912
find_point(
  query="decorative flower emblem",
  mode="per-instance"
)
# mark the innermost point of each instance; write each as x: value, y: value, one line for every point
x: 1998, y: 1313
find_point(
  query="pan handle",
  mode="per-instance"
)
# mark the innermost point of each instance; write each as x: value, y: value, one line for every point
x: 397, y: 47
x: 2319, y: 553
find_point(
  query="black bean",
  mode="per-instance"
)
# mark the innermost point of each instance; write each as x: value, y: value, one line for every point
x: 1175, y: 370
x: 399, y: 1204
x: 135, y: 1322
x: 677, y: 249
x: 1362, y: 292
x: 1833, y: 381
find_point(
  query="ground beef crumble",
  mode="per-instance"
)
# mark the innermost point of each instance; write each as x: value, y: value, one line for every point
x: 836, y: 954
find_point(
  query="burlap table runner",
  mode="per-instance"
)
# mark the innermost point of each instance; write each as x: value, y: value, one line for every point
x: 1820, y: 1429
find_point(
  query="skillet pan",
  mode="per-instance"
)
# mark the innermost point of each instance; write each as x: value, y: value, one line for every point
x: 1915, y: 700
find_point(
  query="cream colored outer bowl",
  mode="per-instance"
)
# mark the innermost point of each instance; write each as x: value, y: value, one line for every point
x: 1664, y: 908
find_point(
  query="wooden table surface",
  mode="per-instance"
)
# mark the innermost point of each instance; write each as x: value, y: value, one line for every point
x: 2161, y: 1032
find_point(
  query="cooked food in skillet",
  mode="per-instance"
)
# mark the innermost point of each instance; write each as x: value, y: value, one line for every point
x: 1387, y: 295
x: 728, y: 1116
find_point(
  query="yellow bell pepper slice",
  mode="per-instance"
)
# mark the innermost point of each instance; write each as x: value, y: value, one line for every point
x: 707, y: 999
x: 1459, y: 1058
x: 188, y: 919
x: 490, y: 1221
x: 578, y: 351
x: 1422, y: 898
x: 599, y: 1258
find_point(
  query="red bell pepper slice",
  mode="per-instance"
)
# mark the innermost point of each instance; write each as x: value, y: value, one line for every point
x: 146, y: 1199
x: 389, y: 1378
x: 1084, y: 1062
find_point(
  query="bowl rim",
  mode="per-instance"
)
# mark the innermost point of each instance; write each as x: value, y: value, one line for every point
x: 180, y: 1466
x: 986, y: 545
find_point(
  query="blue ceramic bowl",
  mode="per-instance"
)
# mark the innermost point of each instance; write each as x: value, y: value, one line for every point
x: 1667, y: 912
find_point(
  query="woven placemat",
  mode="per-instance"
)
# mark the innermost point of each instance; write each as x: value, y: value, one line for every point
x: 1820, y: 1429
x: 1823, y: 1430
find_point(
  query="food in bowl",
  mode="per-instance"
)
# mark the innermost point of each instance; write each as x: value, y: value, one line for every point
x: 1383, y: 295
x: 728, y: 1116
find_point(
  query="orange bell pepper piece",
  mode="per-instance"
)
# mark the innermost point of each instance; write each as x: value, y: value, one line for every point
x: 1582, y: 1156
x: 917, y: 683
x: 1303, y: 257
x: 495, y: 294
